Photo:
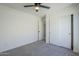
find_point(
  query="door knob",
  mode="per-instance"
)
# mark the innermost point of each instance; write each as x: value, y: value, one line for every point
x: 69, y: 33
x: 38, y: 31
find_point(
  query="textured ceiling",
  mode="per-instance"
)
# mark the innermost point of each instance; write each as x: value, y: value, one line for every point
x: 42, y: 11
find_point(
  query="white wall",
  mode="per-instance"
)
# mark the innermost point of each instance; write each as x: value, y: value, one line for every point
x: 16, y: 28
x: 76, y: 33
x: 54, y: 17
x: 47, y: 28
x: 76, y: 28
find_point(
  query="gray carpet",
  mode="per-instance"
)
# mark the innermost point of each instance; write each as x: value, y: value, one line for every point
x: 39, y: 48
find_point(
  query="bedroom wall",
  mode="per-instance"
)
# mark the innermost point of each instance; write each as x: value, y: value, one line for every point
x: 17, y: 28
x: 76, y: 28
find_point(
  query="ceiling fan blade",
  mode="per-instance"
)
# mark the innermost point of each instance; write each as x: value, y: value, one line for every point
x: 28, y: 5
x: 44, y: 6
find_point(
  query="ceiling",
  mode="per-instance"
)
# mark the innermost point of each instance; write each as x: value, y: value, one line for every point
x: 41, y: 12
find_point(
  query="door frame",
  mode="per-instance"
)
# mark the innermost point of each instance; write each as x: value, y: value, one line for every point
x: 72, y: 33
x: 44, y: 27
x: 38, y: 29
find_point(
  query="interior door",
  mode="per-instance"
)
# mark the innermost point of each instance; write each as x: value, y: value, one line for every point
x: 40, y: 29
x: 60, y: 31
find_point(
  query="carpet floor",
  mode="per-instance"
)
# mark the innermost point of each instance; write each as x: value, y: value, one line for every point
x: 39, y: 48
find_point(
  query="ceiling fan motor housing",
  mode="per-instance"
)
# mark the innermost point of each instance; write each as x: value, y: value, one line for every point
x: 37, y: 4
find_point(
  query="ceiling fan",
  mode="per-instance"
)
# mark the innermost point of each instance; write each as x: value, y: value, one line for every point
x: 37, y: 6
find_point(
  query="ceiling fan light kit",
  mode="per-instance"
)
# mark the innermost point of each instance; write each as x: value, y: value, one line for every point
x: 36, y: 8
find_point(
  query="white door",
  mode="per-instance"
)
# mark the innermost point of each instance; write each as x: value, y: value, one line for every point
x: 40, y: 29
x: 60, y: 31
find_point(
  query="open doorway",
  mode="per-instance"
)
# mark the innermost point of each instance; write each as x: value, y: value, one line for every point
x: 42, y: 29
